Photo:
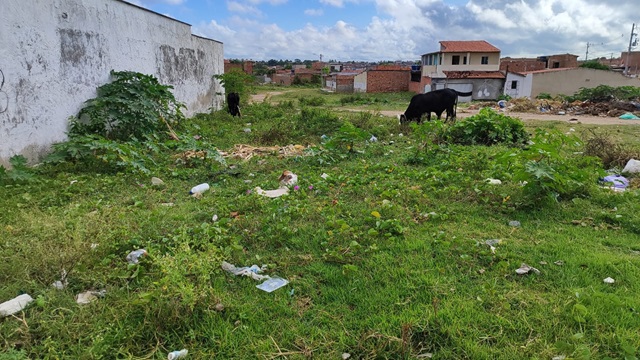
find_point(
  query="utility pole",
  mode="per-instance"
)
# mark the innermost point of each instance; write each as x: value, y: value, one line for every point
x: 626, y: 62
x: 586, y: 56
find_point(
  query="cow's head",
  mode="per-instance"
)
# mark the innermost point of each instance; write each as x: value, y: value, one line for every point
x: 402, y: 118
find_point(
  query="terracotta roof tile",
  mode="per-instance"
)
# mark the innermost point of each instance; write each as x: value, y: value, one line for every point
x: 467, y: 46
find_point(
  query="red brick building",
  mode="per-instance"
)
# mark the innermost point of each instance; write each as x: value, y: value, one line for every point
x: 246, y: 66
x: 383, y: 78
x: 519, y: 65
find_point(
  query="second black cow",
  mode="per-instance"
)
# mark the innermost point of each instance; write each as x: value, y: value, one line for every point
x: 436, y: 101
x: 233, y: 103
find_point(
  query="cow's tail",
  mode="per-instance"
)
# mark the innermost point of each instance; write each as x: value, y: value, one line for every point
x: 463, y: 94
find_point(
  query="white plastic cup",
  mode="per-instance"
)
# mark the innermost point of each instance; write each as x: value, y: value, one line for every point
x: 177, y: 354
x: 199, y: 188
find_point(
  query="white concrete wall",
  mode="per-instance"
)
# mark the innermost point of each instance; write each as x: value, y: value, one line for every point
x: 360, y: 82
x: 55, y: 53
x: 569, y: 81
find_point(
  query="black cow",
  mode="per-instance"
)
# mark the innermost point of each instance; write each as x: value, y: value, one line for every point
x: 233, y: 103
x: 436, y: 101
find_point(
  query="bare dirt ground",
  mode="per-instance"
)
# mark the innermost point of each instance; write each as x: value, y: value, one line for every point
x: 463, y: 113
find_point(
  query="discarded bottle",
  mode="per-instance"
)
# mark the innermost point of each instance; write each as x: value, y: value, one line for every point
x: 15, y: 305
x: 134, y: 256
x: 199, y: 189
x: 177, y: 354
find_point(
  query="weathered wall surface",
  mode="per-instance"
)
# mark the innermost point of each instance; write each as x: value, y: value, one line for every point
x: 55, y: 53
x: 569, y: 81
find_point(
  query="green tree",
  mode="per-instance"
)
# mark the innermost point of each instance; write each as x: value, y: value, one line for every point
x: 594, y: 64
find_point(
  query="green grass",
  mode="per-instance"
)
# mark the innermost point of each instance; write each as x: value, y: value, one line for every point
x: 386, y: 257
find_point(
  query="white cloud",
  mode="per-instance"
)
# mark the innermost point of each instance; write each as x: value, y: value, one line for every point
x: 314, y: 12
x: 234, y: 6
x: 405, y: 29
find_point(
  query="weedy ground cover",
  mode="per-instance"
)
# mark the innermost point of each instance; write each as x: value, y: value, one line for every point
x: 387, y: 256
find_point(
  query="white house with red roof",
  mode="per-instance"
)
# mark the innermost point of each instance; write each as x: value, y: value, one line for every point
x: 464, y: 66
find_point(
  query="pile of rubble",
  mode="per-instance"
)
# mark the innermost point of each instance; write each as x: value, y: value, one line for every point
x: 613, y: 108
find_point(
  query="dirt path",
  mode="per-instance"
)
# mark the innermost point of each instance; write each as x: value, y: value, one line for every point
x: 463, y: 113
x: 582, y: 119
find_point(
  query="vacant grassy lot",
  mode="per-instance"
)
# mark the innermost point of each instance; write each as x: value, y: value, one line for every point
x: 388, y: 255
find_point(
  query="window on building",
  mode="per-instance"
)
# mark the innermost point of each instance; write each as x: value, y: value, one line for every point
x: 464, y: 60
x: 556, y: 64
x: 514, y: 84
x: 485, y: 60
x: 455, y: 60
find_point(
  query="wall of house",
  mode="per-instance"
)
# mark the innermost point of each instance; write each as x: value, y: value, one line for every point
x: 282, y: 79
x: 360, y: 82
x: 483, y: 89
x: 388, y: 80
x: 569, y: 81
x: 55, y: 53
x: 562, y: 61
x: 344, y: 84
x: 474, y: 63
x: 521, y: 65
x: 419, y: 87
x: 633, y: 63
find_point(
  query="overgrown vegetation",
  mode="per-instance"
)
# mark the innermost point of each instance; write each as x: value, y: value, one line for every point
x: 399, y: 221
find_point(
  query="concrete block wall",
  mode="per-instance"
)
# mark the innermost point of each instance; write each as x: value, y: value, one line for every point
x: 55, y: 53
x: 388, y: 80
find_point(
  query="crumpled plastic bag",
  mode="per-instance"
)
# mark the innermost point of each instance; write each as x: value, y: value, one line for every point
x: 250, y: 271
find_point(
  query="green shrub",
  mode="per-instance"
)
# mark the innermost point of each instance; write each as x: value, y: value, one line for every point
x: 488, y: 128
x: 131, y: 106
x: 312, y: 101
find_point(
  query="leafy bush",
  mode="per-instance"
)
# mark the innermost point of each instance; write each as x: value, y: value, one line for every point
x: 312, y: 101
x: 19, y: 173
x: 553, y: 168
x: 347, y: 137
x: 132, y: 105
x: 603, y: 93
x: 594, y: 64
x: 488, y: 128
x: 544, y: 96
x: 236, y: 81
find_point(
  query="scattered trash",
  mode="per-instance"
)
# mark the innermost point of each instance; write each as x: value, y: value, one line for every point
x: 525, y: 269
x: 168, y: 204
x: 252, y: 271
x: 134, y: 256
x: 324, y: 176
x: 247, y: 130
x: 246, y: 152
x: 199, y: 189
x: 219, y: 307
x: 90, y: 296
x: 324, y: 138
x: 632, y: 167
x: 248, y: 181
x: 619, y: 182
x: 514, y: 223
x: 272, y: 284
x: 542, y: 262
x: 62, y: 283
x: 502, y: 104
x: 373, y: 138
x: 93, y: 246
x: 272, y: 193
x: 425, y: 356
x: 177, y: 354
x: 345, y: 356
x: 629, y: 116
x: 609, y: 280
x: 156, y: 181
x: 492, y: 244
x: 292, y: 292
x: 559, y: 357
x: 73, y: 182
x: 15, y: 305
x: 561, y: 113
x: 214, y: 218
x: 493, y: 181
x: 288, y: 178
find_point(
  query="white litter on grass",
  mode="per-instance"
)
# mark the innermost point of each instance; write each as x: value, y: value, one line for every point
x: 324, y: 176
x: 514, y: 223
x: 493, y: 181
x: 272, y: 284
x: 609, y: 280
x: 90, y: 296
x: 252, y: 271
x: 62, y: 283
x: 214, y: 218
x: 134, y: 256
x: 345, y: 356
x: 156, y: 181
x: 288, y: 178
x: 492, y: 244
x: 525, y: 269
x: 271, y: 193
x: 177, y: 354
x: 15, y: 305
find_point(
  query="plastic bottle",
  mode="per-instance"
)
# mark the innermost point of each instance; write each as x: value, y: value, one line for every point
x: 177, y: 354
x: 199, y: 189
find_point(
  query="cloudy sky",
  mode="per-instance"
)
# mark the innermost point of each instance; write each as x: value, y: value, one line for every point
x: 377, y: 30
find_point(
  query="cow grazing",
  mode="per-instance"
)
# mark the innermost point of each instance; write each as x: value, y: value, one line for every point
x: 233, y: 104
x: 436, y: 101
